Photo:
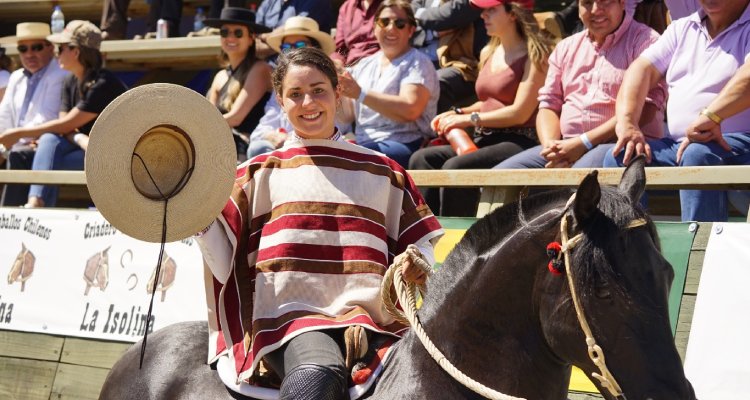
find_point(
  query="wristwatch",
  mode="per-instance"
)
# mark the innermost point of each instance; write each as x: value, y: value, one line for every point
x: 474, y: 118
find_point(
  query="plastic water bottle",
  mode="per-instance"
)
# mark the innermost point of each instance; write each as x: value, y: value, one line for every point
x: 57, y: 22
x: 199, y: 18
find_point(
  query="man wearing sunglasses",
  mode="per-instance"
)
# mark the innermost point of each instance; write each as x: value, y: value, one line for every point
x: 33, y: 93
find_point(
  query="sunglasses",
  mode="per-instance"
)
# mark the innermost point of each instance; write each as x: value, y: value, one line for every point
x: 62, y: 47
x: 400, y: 23
x: 238, y: 33
x: 296, y: 45
x: 36, y: 47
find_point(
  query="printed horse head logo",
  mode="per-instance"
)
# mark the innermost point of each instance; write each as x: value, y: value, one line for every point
x: 96, y: 272
x: 165, y: 279
x: 23, y: 267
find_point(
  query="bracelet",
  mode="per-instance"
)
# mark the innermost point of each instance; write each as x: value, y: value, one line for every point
x: 361, y: 97
x: 204, y: 230
x: 712, y: 116
x: 585, y: 140
x: 457, y: 110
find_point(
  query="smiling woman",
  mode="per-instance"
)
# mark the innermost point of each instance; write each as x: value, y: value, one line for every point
x: 392, y: 95
x: 312, y: 254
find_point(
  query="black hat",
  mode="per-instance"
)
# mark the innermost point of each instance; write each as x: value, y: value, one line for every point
x: 237, y: 15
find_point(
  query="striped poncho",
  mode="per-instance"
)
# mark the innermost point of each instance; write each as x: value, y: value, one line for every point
x: 303, y: 245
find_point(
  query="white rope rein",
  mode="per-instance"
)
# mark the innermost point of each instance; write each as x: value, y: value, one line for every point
x: 406, y: 296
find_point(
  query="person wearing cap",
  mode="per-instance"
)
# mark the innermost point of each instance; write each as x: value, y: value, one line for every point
x: 297, y: 32
x: 89, y: 88
x: 391, y: 95
x: 698, y: 56
x: 513, y: 67
x: 32, y: 96
x: 243, y: 87
x: 576, y: 118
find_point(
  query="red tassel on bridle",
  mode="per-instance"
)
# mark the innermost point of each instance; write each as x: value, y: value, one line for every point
x: 554, y: 253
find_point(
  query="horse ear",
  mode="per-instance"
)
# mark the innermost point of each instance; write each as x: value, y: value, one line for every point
x: 587, y: 198
x: 633, y: 181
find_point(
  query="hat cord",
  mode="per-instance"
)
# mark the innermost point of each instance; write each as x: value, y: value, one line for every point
x: 180, y: 185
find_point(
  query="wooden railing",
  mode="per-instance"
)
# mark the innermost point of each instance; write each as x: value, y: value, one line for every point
x: 498, y: 186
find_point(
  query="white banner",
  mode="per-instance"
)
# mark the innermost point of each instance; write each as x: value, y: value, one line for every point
x: 716, y: 361
x: 69, y: 272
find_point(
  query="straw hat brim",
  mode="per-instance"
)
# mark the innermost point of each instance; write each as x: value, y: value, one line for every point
x: 109, y: 158
x: 16, y: 39
x: 325, y: 40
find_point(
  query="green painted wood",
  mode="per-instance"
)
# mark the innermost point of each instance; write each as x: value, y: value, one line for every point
x: 26, y: 379
x: 36, y: 346
x: 76, y: 382
x: 92, y: 353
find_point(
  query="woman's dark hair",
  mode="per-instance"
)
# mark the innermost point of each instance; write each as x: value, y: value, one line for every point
x: 306, y: 56
x: 401, y: 4
x: 92, y: 62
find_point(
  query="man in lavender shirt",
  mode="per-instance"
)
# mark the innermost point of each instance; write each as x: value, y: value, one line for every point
x: 698, y: 56
x: 576, y: 119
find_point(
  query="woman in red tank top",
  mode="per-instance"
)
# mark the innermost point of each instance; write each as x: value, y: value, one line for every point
x: 513, y: 68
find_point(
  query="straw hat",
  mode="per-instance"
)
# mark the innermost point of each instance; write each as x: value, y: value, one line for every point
x: 239, y: 16
x: 305, y: 26
x: 28, y: 31
x: 79, y: 33
x: 169, y: 129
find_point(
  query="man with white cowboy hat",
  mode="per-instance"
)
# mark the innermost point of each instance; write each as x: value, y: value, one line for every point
x: 296, y: 33
x: 33, y: 93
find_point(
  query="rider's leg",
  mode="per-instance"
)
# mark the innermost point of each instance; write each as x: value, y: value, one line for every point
x: 311, y: 366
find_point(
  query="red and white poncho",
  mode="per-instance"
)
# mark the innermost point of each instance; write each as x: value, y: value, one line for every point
x: 303, y: 244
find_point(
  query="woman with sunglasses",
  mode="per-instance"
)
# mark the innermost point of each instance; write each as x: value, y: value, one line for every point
x: 392, y: 94
x: 273, y: 128
x: 513, y: 67
x: 312, y: 226
x: 86, y: 92
x: 241, y: 89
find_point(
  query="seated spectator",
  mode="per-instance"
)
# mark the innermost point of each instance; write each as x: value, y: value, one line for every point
x: 681, y: 8
x: 576, y: 119
x: 699, y: 56
x: 355, y: 32
x: 274, y: 13
x: 514, y: 64
x: 393, y: 93
x: 86, y: 92
x: 241, y: 89
x: 32, y: 97
x: 297, y: 32
x: 452, y: 34
x: 5, y: 65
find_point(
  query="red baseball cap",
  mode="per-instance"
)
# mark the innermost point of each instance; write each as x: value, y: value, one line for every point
x: 529, y: 4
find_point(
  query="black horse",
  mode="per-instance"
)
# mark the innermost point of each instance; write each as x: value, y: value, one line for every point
x: 497, y: 313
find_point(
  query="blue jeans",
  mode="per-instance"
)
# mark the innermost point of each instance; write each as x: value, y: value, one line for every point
x: 259, y: 146
x: 54, y: 152
x: 697, y: 205
x: 531, y: 159
x: 397, y: 151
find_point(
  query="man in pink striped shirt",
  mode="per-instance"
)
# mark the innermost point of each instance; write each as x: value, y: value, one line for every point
x: 576, y: 119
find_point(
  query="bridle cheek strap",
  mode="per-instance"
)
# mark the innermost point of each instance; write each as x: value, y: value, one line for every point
x: 596, y: 354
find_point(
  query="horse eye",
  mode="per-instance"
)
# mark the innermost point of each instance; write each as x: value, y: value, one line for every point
x: 602, y: 291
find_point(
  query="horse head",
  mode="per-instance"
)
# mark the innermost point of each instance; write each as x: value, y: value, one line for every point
x: 620, y: 280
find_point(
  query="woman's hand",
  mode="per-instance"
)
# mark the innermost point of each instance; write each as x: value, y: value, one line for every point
x: 452, y: 120
x: 10, y: 137
x: 349, y: 87
x: 410, y: 271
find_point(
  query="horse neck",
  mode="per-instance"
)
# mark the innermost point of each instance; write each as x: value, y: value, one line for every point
x: 488, y: 315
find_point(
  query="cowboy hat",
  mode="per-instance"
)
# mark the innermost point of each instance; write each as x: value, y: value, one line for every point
x: 160, y: 141
x: 28, y: 31
x: 237, y: 15
x: 305, y: 26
